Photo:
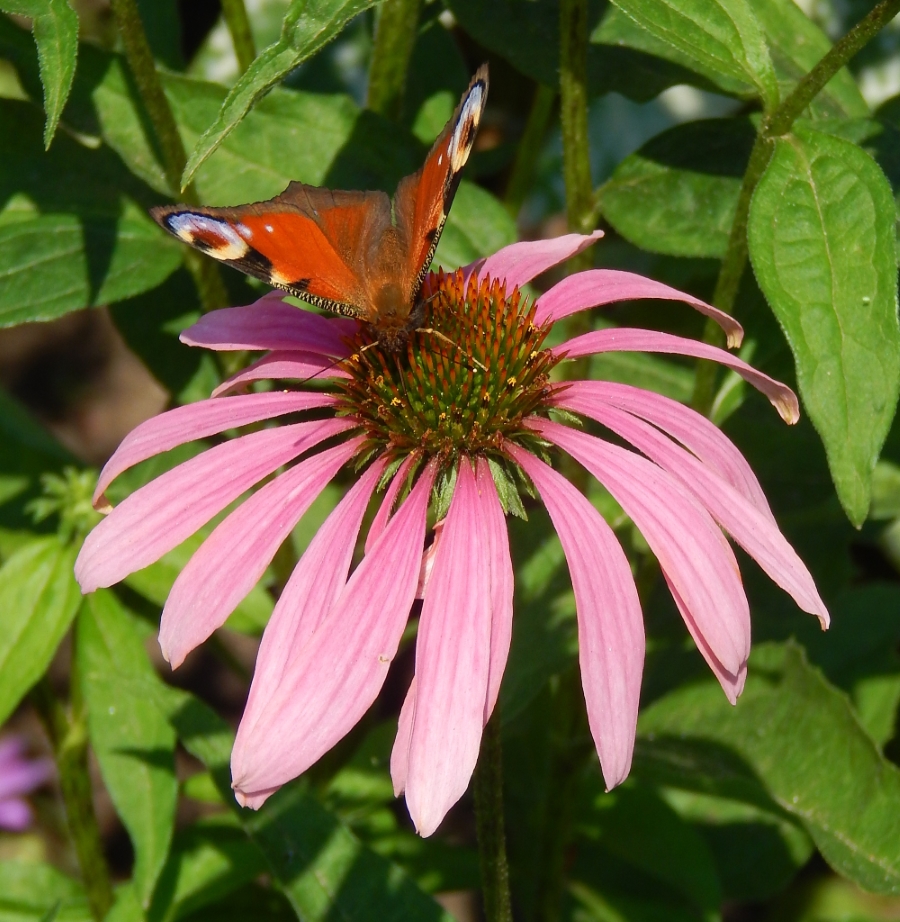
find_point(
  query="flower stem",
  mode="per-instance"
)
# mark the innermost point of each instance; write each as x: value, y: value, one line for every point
x: 140, y: 62
x: 529, y: 148
x: 772, y: 126
x: 238, y: 23
x: 395, y: 36
x: 490, y: 824
x: 69, y: 739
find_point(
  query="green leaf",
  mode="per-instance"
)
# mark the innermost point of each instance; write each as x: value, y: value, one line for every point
x: 308, y: 26
x: 29, y: 891
x: 678, y: 193
x: 477, y: 226
x: 133, y: 742
x: 791, y: 744
x: 55, y: 30
x: 73, y: 230
x: 209, y: 860
x: 821, y: 237
x: 38, y: 598
x: 797, y: 44
x: 720, y: 36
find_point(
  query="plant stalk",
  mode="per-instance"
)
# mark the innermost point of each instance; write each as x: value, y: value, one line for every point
x: 69, y: 739
x: 143, y: 68
x: 490, y: 824
x: 238, y: 23
x: 395, y: 35
x: 773, y: 125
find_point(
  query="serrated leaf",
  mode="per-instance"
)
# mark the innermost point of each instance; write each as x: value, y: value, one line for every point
x: 722, y: 36
x: 73, y: 230
x: 791, y: 744
x: 308, y: 26
x: 821, y: 237
x: 678, y: 193
x: 38, y: 600
x: 55, y: 31
x: 133, y: 742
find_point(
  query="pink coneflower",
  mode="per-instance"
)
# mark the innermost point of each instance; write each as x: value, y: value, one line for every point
x: 455, y: 428
x: 19, y: 776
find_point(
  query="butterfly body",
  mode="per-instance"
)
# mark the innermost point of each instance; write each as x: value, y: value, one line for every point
x: 359, y: 254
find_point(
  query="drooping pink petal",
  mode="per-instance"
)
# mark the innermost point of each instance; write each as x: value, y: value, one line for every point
x: 271, y: 324
x: 400, y: 750
x: 314, y: 586
x: 334, y: 678
x: 732, y: 683
x: 689, y: 427
x: 285, y: 365
x: 232, y: 560
x: 15, y: 815
x: 690, y: 548
x: 197, y: 421
x: 160, y: 515
x: 594, y: 287
x: 12, y: 749
x: 501, y: 576
x: 610, y: 626
x: 521, y: 262
x: 756, y: 533
x: 627, y: 339
x: 452, y: 663
x: 382, y: 516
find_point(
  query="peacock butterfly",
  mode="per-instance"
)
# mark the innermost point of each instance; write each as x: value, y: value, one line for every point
x: 353, y: 253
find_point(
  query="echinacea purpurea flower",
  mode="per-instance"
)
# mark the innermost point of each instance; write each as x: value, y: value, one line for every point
x: 454, y: 428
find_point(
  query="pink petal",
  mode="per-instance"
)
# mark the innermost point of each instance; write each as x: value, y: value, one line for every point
x: 428, y: 559
x: 286, y: 365
x: 12, y: 750
x: 379, y: 523
x: 25, y: 776
x: 160, y: 515
x: 452, y: 663
x: 232, y: 560
x: 604, y: 286
x: 626, y: 339
x: 310, y: 593
x: 333, y: 679
x: 610, y: 626
x: 691, y: 428
x: 15, y: 815
x: 755, y: 533
x: 400, y: 751
x: 197, y: 421
x: 271, y: 324
x: 689, y: 546
x: 501, y: 574
x: 732, y: 683
x: 521, y: 262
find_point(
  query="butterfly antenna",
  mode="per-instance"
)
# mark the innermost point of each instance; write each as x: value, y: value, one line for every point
x: 470, y: 360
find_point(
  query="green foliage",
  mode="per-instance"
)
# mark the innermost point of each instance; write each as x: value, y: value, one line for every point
x: 785, y: 805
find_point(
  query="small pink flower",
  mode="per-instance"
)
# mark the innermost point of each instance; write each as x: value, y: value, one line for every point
x: 19, y: 776
x: 443, y: 425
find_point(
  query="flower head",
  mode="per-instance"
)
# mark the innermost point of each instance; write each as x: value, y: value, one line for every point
x: 19, y: 776
x: 455, y: 428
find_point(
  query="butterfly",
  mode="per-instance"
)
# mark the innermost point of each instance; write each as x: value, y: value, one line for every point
x: 359, y: 254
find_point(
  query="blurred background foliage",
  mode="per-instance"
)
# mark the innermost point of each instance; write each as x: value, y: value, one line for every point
x: 786, y: 807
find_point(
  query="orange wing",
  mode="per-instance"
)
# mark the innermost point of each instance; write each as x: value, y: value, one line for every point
x: 422, y: 200
x: 308, y: 241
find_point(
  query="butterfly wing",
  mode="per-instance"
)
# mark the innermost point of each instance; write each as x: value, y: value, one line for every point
x: 422, y: 200
x: 308, y: 241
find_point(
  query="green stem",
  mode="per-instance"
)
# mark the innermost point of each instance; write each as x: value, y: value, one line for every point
x: 395, y: 36
x: 143, y: 69
x: 238, y: 23
x: 490, y: 824
x: 529, y: 148
x: 774, y: 125
x: 69, y: 739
